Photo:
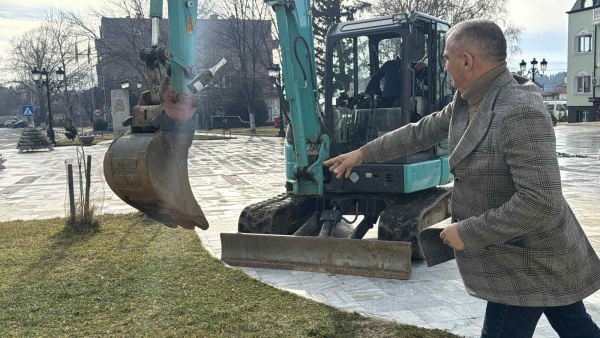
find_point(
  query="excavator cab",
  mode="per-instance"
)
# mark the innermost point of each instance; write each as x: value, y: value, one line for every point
x: 356, y: 53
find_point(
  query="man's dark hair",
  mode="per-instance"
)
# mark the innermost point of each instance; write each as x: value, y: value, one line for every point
x: 484, y: 35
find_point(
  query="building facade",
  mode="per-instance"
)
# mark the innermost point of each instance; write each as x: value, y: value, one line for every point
x: 583, y: 76
x: 558, y: 94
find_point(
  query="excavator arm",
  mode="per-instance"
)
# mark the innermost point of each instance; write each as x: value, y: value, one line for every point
x: 310, y: 143
x: 147, y: 167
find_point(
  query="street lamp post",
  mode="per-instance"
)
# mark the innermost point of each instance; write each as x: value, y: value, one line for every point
x: 275, y: 75
x: 41, y: 78
x: 533, y: 71
x: 126, y: 86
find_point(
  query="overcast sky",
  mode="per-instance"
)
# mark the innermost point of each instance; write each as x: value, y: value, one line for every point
x: 544, y: 23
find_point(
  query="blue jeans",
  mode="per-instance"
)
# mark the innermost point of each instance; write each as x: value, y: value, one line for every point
x: 506, y: 321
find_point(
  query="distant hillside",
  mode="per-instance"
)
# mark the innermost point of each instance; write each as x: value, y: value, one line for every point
x: 550, y: 82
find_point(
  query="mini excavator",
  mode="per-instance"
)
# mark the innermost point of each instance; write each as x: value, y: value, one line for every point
x: 319, y: 224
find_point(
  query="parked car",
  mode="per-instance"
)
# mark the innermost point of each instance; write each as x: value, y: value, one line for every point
x: 19, y: 124
x: 558, y: 109
x: 9, y: 123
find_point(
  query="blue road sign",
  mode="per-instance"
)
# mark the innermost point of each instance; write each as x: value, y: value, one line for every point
x: 27, y: 110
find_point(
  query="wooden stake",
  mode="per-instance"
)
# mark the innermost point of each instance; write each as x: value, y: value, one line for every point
x: 71, y: 192
x: 87, y: 186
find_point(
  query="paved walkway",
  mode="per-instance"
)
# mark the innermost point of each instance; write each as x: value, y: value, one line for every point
x: 227, y: 175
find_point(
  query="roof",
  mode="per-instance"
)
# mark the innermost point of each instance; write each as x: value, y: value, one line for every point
x: 578, y: 6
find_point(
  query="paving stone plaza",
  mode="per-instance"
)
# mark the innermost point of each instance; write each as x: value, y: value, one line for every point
x: 226, y: 175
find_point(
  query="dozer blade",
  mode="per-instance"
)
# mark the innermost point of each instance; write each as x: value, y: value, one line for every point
x: 149, y: 172
x: 373, y: 258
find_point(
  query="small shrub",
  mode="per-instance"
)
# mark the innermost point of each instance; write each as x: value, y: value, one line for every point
x: 100, y: 125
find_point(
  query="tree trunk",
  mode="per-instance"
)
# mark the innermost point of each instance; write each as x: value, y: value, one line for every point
x: 252, y: 122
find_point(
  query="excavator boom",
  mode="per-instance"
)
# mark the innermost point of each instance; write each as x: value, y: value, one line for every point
x: 147, y: 168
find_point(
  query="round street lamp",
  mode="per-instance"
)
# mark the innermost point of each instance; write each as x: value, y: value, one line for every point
x: 41, y: 79
x: 275, y: 75
x: 273, y: 71
x: 60, y: 74
x: 138, y: 82
x: 36, y: 74
x: 533, y: 71
x: 44, y: 75
x: 125, y: 84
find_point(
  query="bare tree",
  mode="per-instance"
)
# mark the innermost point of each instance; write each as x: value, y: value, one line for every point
x: 50, y: 46
x: 455, y: 11
x: 245, y: 38
x: 126, y: 29
x: 34, y: 48
x: 72, y: 59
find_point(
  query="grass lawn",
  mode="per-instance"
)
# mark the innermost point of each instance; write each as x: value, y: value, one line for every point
x: 65, y: 142
x: 138, y: 278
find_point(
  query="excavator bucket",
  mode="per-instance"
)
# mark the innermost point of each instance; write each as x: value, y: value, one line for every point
x: 149, y: 172
x: 362, y: 257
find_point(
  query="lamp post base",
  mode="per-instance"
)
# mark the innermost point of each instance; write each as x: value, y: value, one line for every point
x: 50, y: 134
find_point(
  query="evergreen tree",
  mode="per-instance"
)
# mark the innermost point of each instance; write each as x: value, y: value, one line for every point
x: 327, y: 13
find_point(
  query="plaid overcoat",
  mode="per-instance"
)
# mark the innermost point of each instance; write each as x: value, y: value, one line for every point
x: 523, y: 244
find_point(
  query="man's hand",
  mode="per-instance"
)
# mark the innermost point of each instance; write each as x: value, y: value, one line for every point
x: 178, y: 107
x: 451, y: 238
x: 344, y: 163
x: 420, y: 65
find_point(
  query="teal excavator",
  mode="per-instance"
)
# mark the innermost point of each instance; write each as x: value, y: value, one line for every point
x: 320, y: 223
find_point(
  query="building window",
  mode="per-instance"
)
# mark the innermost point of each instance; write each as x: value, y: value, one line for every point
x: 583, y: 84
x: 227, y: 81
x: 584, y: 43
x: 597, y: 14
x: 583, y: 115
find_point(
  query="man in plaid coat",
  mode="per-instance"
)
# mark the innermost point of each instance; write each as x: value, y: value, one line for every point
x: 517, y: 243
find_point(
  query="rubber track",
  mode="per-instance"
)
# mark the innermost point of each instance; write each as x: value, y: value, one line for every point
x: 258, y: 217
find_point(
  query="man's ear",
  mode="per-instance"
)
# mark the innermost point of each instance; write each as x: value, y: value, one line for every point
x: 468, y: 60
